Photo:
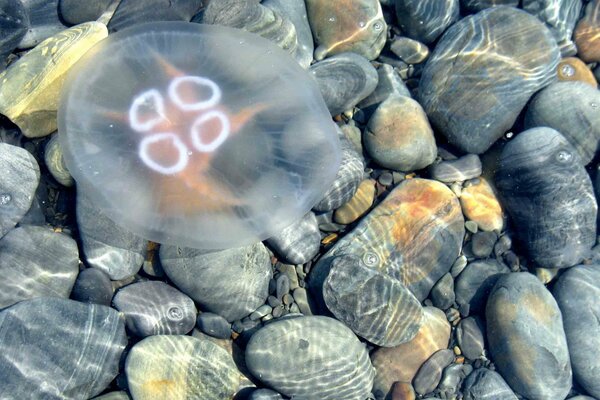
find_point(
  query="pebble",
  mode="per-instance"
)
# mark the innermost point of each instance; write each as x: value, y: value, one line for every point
x: 232, y: 283
x: 290, y: 272
x: 398, y: 135
x: 132, y: 12
x: 354, y: 26
x: 346, y: 182
x: 576, y: 293
x: 265, y: 394
x: 490, y: 42
x: 482, y: 244
x: 44, y: 22
x: 484, y: 384
x: 299, y: 242
x: 458, y: 170
x: 30, y: 86
x: 283, y: 286
x: 261, y: 312
x: 70, y: 349
x: 470, y: 334
x: 572, y: 108
x: 344, y: 80
x: 478, y: 5
x: 400, y: 238
x: 36, y: 262
x: 214, y: 325
x: 481, y: 206
x: 53, y: 157
x: 587, y: 33
x: 374, y: 305
x: 442, y: 294
x: 573, y: 69
x: 402, y: 362
x: 358, y: 205
x: 430, y: 373
x: 403, y: 391
x: 549, y: 195
x: 409, y: 50
x: 301, y: 298
x: 452, y: 378
x: 19, y: 180
x: 202, y: 370
x: 560, y: 16
x: 155, y: 308
x: 426, y: 20
x: 106, y: 245
x: 389, y: 84
x: 353, y: 135
x: 327, y: 360
x: 386, y: 178
x: 14, y: 23
x: 459, y: 265
x: 526, y: 337
x: 77, y: 12
x: 474, y: 284
x: 93, y: 286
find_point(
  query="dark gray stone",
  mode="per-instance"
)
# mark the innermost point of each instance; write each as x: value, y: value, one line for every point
x: 214, y: 325
x: 482, y: 243
x: 70, y: 350
x: 106, y: 245
x: 299, y: 242
x: 483, y: 384
x: 452, y: 378
x: 231, y: 283
x: 526, y: 337
x: 442, y: 294
x: 470, y: 334
x: 426, y: 20
x: 44, y: 22
x: 76, y: 12
x: 92, y: 286
x: 459, y: 170
x: 430, y: 373
x: 132, y: 12
x: 14, y: 23
x: 474, y: 284
x: 36, y: 262
x: 18, y: 181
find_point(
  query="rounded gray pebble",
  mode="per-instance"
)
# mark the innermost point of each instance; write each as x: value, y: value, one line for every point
x: 459, y: 170
x: 93, y: 286
x: 430, y: 373
x: 482, y: 243
x: 442, y: 294
x: 470, y: 334
x: 214, y: 325
x: 474, y: 284
x: 483, y: 384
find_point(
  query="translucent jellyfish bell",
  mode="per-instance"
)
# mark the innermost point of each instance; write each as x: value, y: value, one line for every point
x: 196, y: 135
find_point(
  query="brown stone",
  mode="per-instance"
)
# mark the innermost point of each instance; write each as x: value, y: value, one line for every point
x: 403, y: 391
x: 358, y: 204
x: 480, y: 205
x: 587, y: 33
x: 573, y: 69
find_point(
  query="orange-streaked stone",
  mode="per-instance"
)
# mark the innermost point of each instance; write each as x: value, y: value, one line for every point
x: 480, y: 204
x: 573, y: 69
x: 358, y: 204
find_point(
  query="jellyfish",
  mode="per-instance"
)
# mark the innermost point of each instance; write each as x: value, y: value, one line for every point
x: 196, y: 135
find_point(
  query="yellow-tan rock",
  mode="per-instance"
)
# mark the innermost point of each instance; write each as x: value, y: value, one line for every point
x: 573, y: 69
x: 30, y: 88
x: 587, y: 33
x: 358, y: 204
x: 480, y: 205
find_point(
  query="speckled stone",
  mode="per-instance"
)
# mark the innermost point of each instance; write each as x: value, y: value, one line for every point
x: 398, y: 135
x: 344, y: 80
x: 29, y: 88
x: 173, y: 367
x: 106, y: 245
x: 426, y: 20
x: 36, y: 262
x: 484, y: 384
x: 18, y: 182
x: 354, y: 26
x: 473, y: 113
x: 587, y: 33
x: 358, y: 204
x: 560, y: 16
x: 471, y: 337
x: 299, y: 242
x: 526, y: 337
x: 14, y: 23
x: 475, y: 282
x: 327, y: 359
x: 71, y: 350
x: 457, y: 170
x: 573, y: 69
x: 93, y: 286
x: 480, y: 205
x: 390, y: 84
x: 231, y: 283
x: 576, y: 293
x: 573, y: 109
x: 402, y: 362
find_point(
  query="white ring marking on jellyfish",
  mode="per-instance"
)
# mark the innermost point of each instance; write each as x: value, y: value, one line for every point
x: 182, y: 153
x: 212, y: 101
x: 196, y: 132
x: 157, y: 103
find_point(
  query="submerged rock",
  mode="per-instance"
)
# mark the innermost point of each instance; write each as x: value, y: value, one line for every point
x: 426, y: 20
x: 560, y: 16
x: 587, y: 33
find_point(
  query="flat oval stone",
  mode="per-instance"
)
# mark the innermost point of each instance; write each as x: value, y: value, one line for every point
x: 155, y: 308
x: 573, y: 69
x: 430, y: 373
x: 18, y: 182
x: 77, y: 349
x: 231, y: 283
x: 475, y: 282
x: 480, y: 205
x: 357, y: 205
x: 409, y: 50
x: 526, y: 337
x: 426, y: 20
x: 572, y: 108
x: 587, y: 33
x: 442, y: 294
x: 484, y: 384
x: 560, y: 16
x: 316, y: 357
x: 53, y: 157
x: 471, y: 337
x: 30, y: 86
x: 414, y: 236
x: 354, y: 26
x: 402, y: 362
x: 214, y: 325
x: 299, y: 242
x: 14, y: 22
x: 398, y: 135
x: 344, y: 80
x: 576, y: 293
x: 374, y: 305
x: 549, y: 195
x: 93, y: 286
x: 458, y: 170
x: 202, y: 369
x: 36, y: 262
x: 507, y: 55
x: 107, y: 246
